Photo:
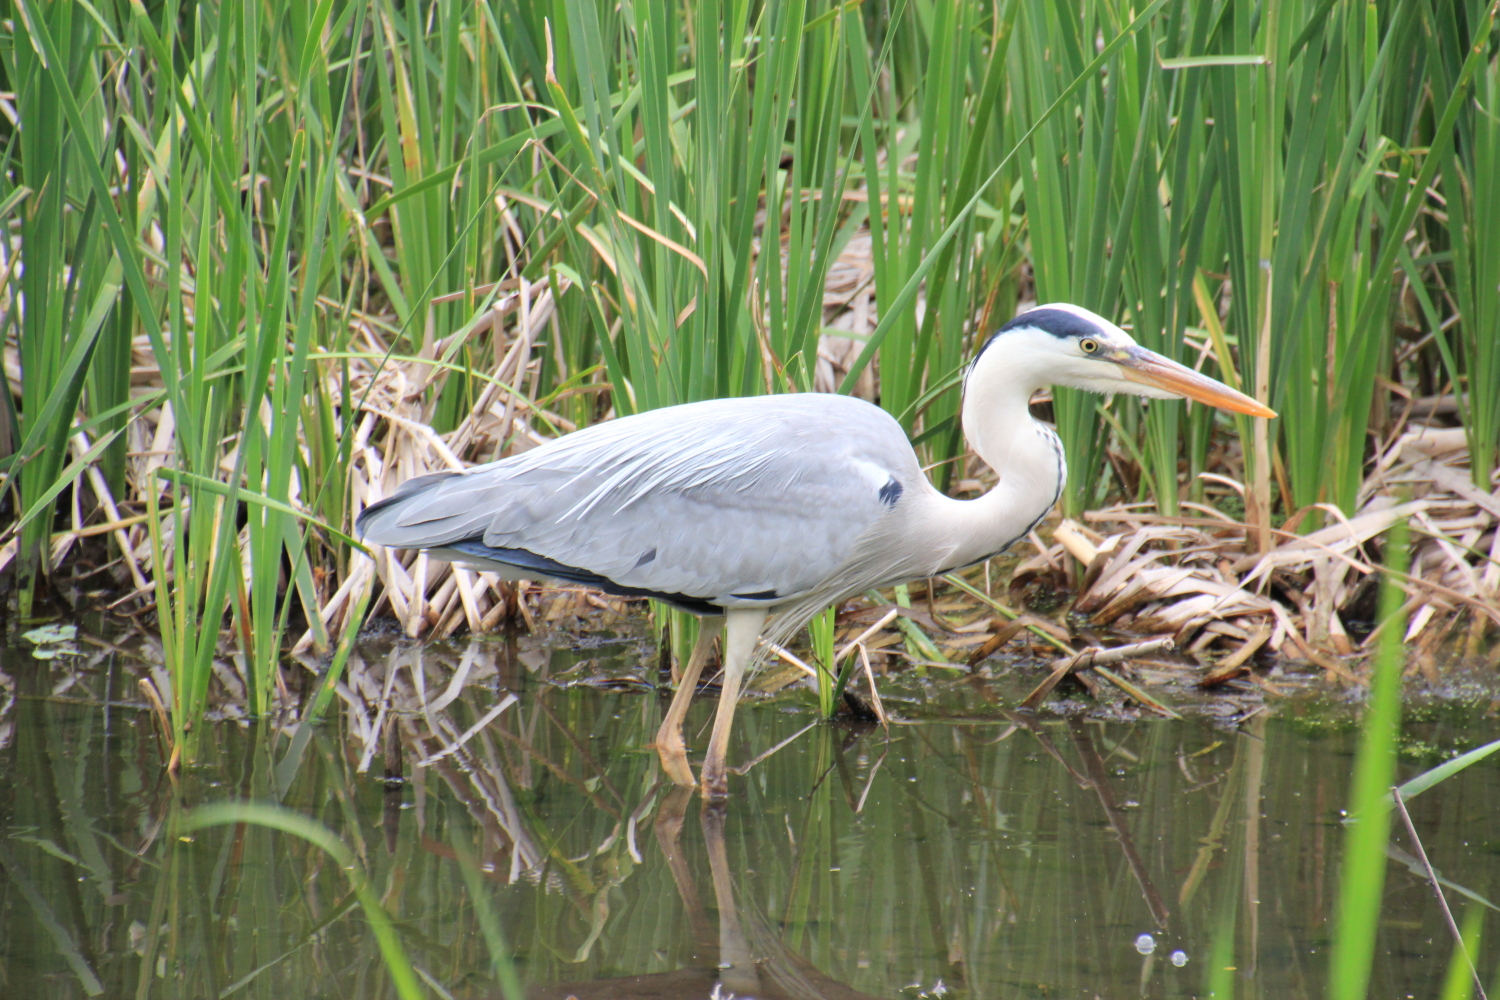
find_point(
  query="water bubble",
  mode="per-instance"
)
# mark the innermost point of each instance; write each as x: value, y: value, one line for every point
x: 1145, y: 944
x: 1179, y: 958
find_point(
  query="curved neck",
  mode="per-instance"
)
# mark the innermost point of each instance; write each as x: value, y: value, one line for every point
x: 998, y: 423
x: 1027, y: 460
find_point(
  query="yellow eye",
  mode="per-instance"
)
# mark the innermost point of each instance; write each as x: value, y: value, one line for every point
x: 1088, y: 345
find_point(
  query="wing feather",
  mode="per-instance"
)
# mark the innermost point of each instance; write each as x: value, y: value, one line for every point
x: 760, y: 496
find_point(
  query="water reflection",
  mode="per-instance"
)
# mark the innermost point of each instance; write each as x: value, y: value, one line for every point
x: 505, y: 802
x: 736, y: 951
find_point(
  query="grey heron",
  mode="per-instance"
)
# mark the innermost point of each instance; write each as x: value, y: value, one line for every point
x: 758, y: 512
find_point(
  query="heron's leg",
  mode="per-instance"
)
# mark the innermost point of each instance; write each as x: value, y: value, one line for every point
x: 669, y: 744
x: 744, y: 625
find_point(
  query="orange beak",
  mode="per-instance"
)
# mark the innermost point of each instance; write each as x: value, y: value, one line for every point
x: 1149, y: 368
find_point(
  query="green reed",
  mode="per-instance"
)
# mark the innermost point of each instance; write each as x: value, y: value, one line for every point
x: 1277, y: 149
x: 69, y: 279
x: 1462, y: 262
x: 1362, y: 878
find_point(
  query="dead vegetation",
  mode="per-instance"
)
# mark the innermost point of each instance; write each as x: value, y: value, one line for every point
x: 1309, y: 597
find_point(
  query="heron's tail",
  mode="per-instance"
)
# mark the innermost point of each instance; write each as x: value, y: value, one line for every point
x: 378, y: 522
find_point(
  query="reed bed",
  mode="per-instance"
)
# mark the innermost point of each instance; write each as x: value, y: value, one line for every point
x: 262, y: 263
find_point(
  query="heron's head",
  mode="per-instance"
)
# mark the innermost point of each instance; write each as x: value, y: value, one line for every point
x: 1068, y: 345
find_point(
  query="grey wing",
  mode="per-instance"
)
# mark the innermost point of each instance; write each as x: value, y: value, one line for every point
x: 729, y: 501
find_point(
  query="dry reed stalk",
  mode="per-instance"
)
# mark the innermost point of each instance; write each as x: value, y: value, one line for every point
x: 1186, y: 574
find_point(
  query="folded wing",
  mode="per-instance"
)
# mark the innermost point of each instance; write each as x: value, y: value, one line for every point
x: 729, y: 502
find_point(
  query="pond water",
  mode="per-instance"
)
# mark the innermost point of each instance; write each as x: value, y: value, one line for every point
x: 967, y: 852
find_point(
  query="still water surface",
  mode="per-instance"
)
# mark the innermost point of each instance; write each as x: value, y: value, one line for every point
x: 969, y: 852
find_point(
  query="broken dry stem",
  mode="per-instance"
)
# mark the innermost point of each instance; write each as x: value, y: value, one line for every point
x: 1095, y: 657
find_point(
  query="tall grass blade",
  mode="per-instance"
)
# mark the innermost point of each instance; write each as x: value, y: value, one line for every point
x: 1362, y: 873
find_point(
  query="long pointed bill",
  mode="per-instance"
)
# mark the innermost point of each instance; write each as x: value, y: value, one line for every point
x: 1149, y: 368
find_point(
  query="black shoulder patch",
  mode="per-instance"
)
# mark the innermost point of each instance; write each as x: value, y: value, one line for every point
x: 890, y: 492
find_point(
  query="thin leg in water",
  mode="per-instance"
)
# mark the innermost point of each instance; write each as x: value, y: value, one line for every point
x: 669, y: 744
x: 744, y: 625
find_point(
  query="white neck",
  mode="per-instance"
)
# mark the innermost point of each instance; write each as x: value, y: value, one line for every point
x: 1025, y: 455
